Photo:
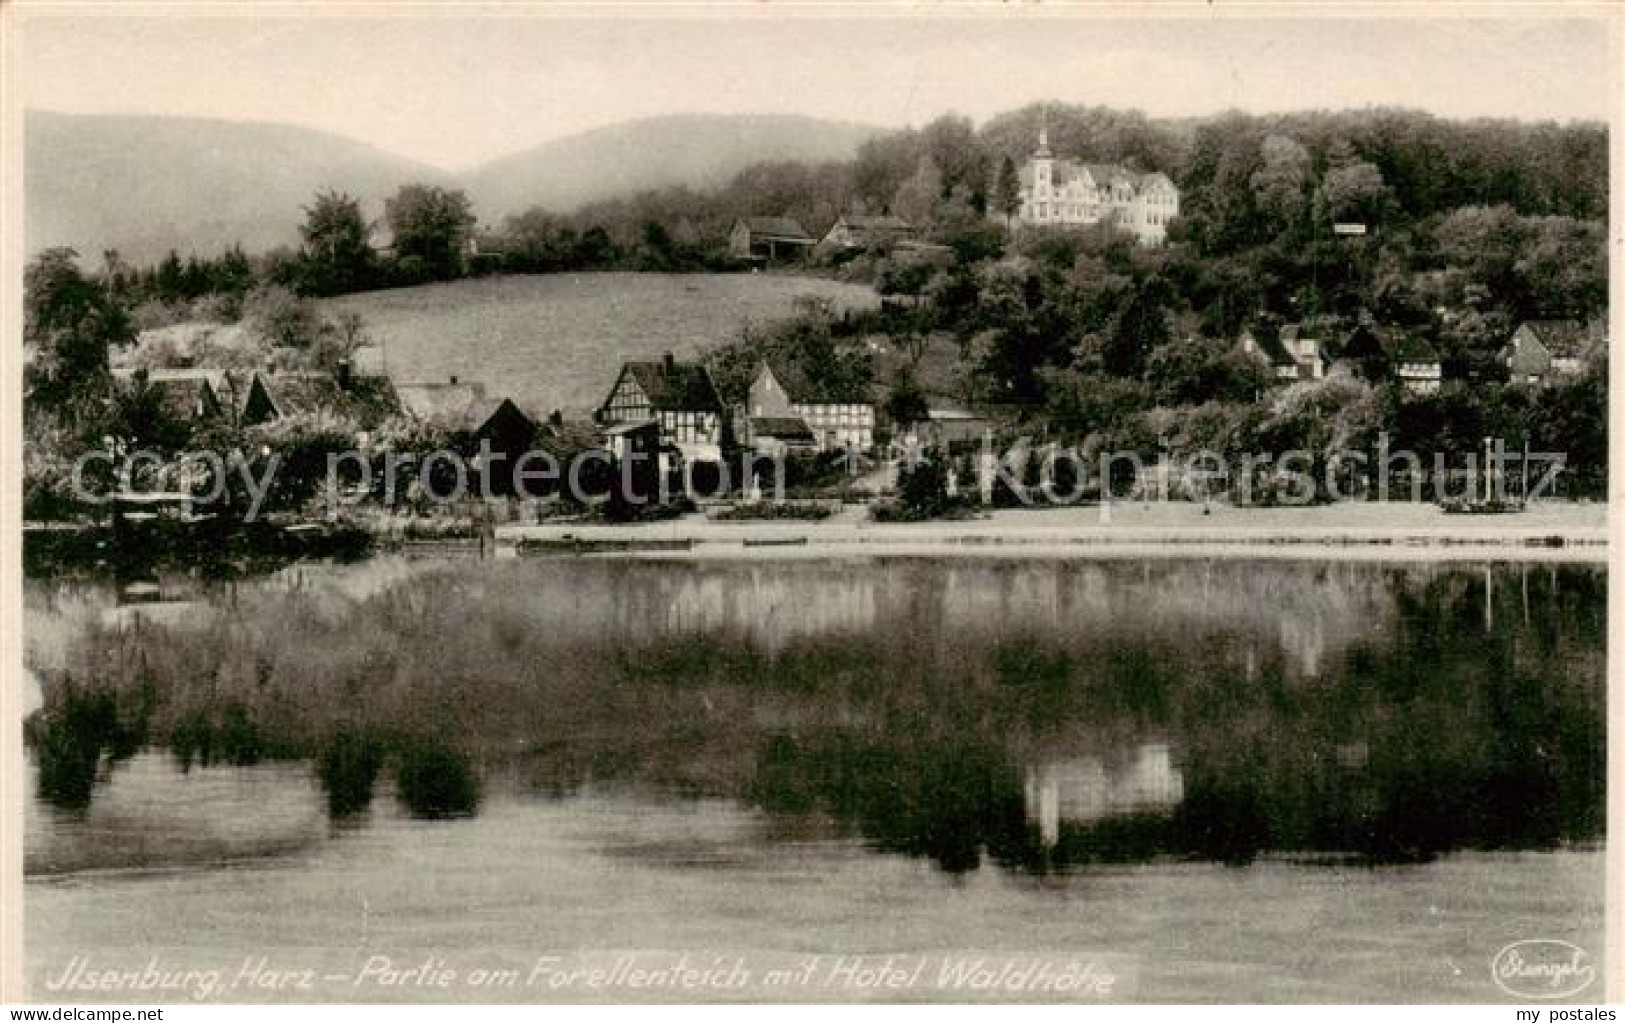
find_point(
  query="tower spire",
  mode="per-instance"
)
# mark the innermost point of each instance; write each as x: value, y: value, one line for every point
x: 1043, y: 133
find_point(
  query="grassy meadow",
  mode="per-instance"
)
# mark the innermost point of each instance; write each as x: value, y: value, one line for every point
x: 556, y: 341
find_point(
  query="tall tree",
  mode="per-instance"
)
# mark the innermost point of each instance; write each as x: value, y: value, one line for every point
x: 336, y: 256
x: 69, y: 323
x: 431, y: 225
x: 1007, y: 190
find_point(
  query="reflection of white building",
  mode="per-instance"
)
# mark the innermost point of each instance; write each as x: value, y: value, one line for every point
x: 1087, y: 788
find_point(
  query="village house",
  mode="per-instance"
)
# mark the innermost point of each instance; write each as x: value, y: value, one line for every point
x: 1280, y: 363
x: 946, y: 423
x: 187, y: 395
x: 776, y: 436
x: 1417, y: 365
x: 441, y: 401
x: 267, y: 397
x: 836, y: 417
x: 1380, y: 354
x: 855, y: 232
x: 1061, y: 192
x: 637, y: 447
x: 769, y: 239
x: 1540, y: 350
x: 481, y: 422
x: 1297, y: 353
x: 1304, y: 344
x: 680, y: 396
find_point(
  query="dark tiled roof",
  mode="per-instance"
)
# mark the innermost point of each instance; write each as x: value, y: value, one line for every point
x: 186, y: 392
x: 1410, y: 348
x: 298, y: 394
x: 311, y: 393
x: 777, y: 228
x: 676, y: 386
x: 804, y: 390
x: 782, y: 427
x: 1274, y: 350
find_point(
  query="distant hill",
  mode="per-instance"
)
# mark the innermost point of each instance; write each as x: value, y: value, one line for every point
x: 145, y: 185
x: 697, y: 150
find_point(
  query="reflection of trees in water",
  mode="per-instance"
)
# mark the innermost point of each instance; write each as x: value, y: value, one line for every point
x: 1387, y: 713
x: 1428, y: 737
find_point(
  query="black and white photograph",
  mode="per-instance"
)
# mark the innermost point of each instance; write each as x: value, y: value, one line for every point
x: 807, y: 503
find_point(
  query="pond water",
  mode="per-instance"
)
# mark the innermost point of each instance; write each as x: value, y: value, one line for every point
x: 1201, y: 779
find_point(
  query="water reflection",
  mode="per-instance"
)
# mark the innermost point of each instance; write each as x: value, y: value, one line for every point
x: 1038, y: 715
x: 1083, y: 790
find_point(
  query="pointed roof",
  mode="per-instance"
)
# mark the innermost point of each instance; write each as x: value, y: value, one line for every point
x: 870, y: 222
x: 185, y: 393
x: 673, y: 386
x: 802, y: 389
x: 441, y: 400
x: 1274, y: 350
x: 781, y: 427
x: 777, y: 228
x: 1565, y: 339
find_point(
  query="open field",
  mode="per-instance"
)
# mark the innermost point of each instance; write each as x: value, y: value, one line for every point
x: 557, y: 340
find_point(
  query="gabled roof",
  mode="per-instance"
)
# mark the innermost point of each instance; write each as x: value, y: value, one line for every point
x: 297, y: 394
x: 481, y: 414
x: 459, y: 406
x: 310, y: 393
x: 636, y: 426
x: 883, y: 222
x: 1111, y: 174
x: 802, y: 389
x: 440, y: 399
x: 1410, y: 348
x: 1565, y: 339
x: 183, y: 392
x: 1099, y: 175
x: 1319, y: 329
x: 776, y: 228
x: 781, y: 427
x: 1274, y: 350
x: 675, y: 386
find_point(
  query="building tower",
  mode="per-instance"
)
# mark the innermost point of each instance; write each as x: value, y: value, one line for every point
x: 1043, y: 171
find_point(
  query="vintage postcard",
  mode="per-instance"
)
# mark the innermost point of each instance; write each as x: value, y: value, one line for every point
x: 808, y: 503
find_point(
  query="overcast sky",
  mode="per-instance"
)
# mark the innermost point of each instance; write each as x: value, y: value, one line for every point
x: 457, y: 90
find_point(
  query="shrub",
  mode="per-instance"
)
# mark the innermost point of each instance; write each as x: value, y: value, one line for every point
x: 348, y: 765
x: 436, y: 781
x: 773, y: 510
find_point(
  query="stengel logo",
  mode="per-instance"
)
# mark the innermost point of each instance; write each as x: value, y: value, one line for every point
x: 1542, y: 968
